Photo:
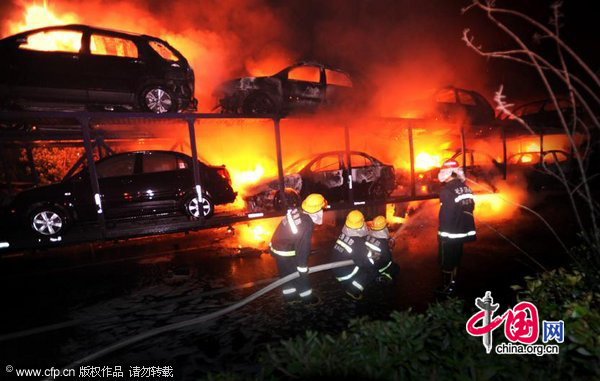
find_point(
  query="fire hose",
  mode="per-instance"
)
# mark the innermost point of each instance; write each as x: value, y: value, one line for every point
x: 203, y: 318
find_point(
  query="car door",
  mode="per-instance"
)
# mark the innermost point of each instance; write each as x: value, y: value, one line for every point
x: 119, y: 186
x: 304, y: 88
x: 46, y: 66
x: 166, y: 177
x: 364, y: 174
x: 112, y: 69
x: 325, y: 175
x: 339, y: 88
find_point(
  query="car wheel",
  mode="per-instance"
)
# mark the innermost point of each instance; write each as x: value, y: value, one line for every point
x: 291, y: 196
x: 196, y: 209
x: 259, y: 103
x: 48, y: 221
x: 158, y: 99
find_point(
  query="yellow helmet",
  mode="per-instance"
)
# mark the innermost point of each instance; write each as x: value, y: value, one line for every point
x: 313, y: 203
x: 355, y: 220
x: 378, y: 223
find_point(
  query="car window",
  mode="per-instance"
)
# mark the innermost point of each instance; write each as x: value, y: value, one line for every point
x: 326, y: 163
x: 337, y: 78
x: 466, y: 99
x: 112, y: 46
x: 305, y: 73
x: 163, y: 51
x: 525, y: 158
x: 445, y: 96
x: 68, y: 41
x: 159, y: 162
x: 121, y: 165
x: 360, y: 161
x: 552, y: 157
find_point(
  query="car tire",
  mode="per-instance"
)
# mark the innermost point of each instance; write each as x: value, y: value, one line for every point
x: 292, y: 197
x: 193, y: 210
x: 259, y: 103
x: 158, y: 99
x: 48, y: 221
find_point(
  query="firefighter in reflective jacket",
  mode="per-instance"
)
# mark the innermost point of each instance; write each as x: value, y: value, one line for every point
x: 351, y: 244
x: 290, y: 246
x: 380, y: 252
x: 456, y: 222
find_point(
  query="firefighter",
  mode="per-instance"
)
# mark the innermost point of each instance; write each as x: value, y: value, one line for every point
x: 456, y: 222
x: 351, y: 244
x: 290, y: 246
x: 379, y: 245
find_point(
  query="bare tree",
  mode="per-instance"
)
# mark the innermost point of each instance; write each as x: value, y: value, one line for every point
x: 583, y: 95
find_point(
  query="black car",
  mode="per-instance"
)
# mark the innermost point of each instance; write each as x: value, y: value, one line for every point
x: 73, y: 67
x: 326, y: 174
x: 304, y: 86
x: 542, y: 116
x: 132, y: 184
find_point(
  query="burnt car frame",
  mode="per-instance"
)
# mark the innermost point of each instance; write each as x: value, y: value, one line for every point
x: 304, y: 86
x: 132, y: 184
x: 75, y: 67
x: 326, y: 173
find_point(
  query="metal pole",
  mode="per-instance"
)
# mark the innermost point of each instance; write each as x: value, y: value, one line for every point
x: 31, y: 163
x: 504, y: 154
x: 348, y: 163
x: 195, y: 164
x: 413, y: 183
x: 464, y: 148
x: 280, y: 163
x: 89, y: 152
x: 541, y: 144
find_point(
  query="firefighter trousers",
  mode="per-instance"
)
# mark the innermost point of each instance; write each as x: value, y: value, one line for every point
x: 354, y: 279
x: 449, y: 254
x: 297, y: 288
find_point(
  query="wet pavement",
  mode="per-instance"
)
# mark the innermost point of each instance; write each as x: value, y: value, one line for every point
x: 97, y: 295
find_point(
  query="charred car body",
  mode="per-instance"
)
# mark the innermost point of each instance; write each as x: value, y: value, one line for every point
x: 76, y: 67
x: 132, y: 184
x: 304, y: 86
x: 326, y: 174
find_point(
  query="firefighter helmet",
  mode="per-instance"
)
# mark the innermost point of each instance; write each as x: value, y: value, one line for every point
x: 313, y: 203
x: 378, y: 223
x: 448, y: 168
x: 355, y: 220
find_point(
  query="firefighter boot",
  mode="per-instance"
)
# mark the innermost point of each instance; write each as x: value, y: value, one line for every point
x: 449, y: 286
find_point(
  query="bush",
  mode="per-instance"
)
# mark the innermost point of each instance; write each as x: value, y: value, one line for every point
x: 435, y: 344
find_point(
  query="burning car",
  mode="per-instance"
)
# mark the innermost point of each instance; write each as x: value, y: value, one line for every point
x: 304, y: 86
x: 77, y: 66
x: 132, y: 184
x: 325, y: 173
x: 542, y: 115
x: 540, y: 169
x: 480, y: 166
